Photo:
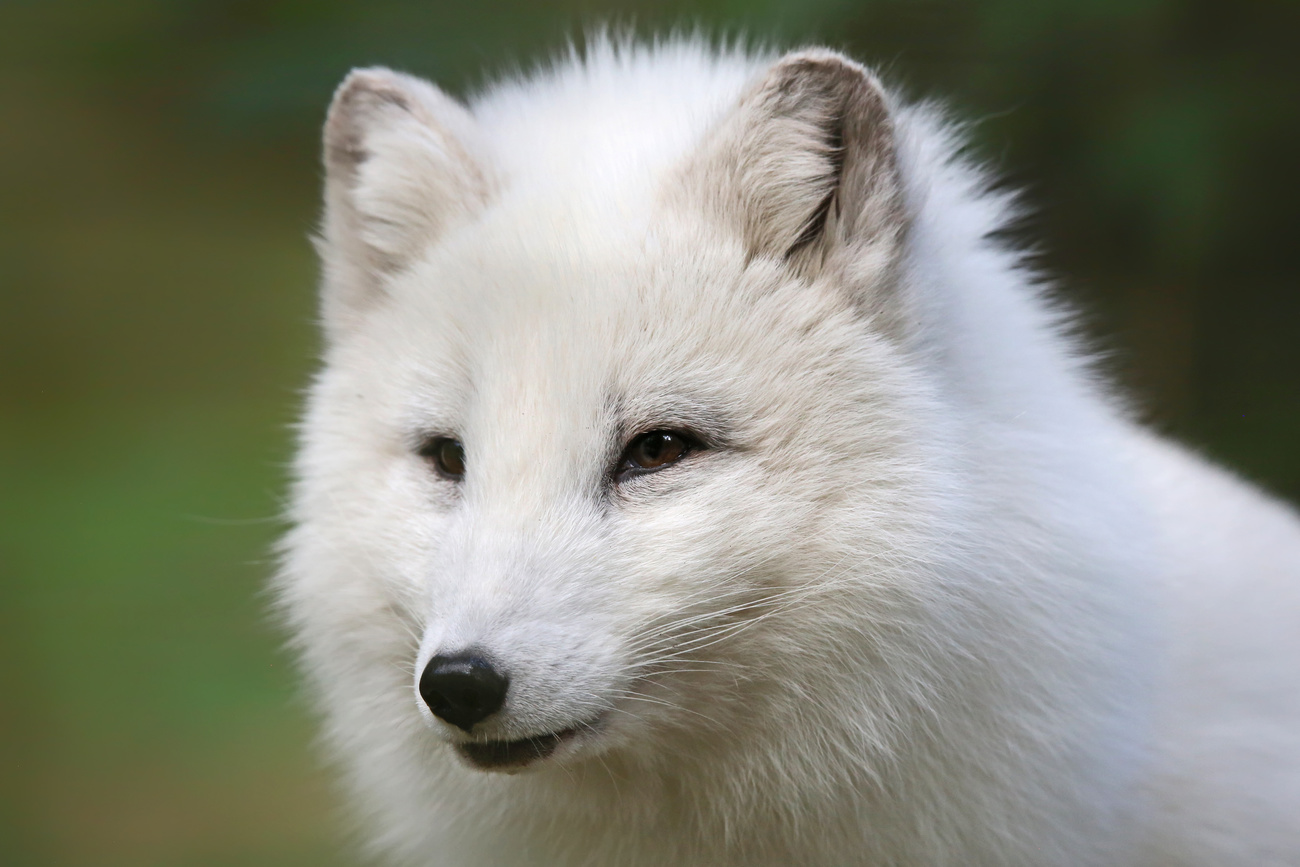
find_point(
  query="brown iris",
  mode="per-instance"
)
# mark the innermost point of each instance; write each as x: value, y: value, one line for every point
x: 654, y: 450
x: 447, y: 456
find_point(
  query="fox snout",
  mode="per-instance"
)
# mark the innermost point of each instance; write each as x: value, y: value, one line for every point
x: 467, y: 688
x: 506, y: 692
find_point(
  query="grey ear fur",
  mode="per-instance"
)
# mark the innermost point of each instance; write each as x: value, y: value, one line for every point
x: 805, y: 164
x: 400, y: 168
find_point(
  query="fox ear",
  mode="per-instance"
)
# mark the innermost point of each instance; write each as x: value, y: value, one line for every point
x: 805, y: 164
x: 399, y: 170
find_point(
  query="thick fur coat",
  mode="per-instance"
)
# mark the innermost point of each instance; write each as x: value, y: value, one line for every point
x: 910, y: 588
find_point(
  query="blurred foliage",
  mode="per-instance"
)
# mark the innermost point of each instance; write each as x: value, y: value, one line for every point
x: 158, y: 180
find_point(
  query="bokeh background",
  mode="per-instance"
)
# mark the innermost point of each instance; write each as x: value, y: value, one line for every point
x: 158, y: 183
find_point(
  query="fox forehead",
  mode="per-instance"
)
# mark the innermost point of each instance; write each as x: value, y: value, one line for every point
x: 596, y: 336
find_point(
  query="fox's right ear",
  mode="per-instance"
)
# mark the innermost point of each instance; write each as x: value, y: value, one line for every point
x: 400, y: 168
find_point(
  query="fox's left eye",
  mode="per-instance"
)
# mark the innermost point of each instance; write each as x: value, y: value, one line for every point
x: 447, y: 456
x: 653, y: 451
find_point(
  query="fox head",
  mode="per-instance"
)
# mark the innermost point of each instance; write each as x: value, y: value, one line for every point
x: 684, y: 447
x: 612, y: 424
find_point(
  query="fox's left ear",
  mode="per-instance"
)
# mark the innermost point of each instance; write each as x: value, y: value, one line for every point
x: 804, y: 165
x: 402, y: 165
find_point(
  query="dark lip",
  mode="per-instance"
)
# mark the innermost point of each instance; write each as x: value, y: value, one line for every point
x: 510, y: 755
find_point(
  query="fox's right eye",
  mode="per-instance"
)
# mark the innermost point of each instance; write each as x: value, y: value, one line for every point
x: 447, y: 456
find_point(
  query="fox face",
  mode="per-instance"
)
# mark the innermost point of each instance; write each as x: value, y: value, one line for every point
x: 587, y: 460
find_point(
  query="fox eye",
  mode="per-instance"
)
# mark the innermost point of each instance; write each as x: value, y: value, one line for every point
x: 653, y: 451
x: 447, y: 456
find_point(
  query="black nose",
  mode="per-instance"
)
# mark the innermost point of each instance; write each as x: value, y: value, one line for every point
x: 463, y: 689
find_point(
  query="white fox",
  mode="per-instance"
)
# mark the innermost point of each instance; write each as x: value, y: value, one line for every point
x: 686, y: 448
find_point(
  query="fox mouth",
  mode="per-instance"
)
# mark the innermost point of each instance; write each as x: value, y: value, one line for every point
x: 516, y: 755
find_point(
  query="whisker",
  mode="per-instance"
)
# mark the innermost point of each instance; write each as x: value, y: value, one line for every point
x: 636, y: 696
x: 702, y: 634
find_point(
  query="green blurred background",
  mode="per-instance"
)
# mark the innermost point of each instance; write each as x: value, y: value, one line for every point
x: 158, y: 182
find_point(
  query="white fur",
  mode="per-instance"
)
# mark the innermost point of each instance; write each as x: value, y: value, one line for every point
x: 929, y: 598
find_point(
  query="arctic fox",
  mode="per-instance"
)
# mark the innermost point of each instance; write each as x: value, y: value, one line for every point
x: 693, y: 479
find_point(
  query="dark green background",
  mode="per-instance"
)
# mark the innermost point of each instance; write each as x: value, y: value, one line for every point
x: 158, y: 181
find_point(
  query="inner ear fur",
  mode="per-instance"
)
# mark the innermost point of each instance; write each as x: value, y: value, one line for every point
x: 400, y: 169
x: 804, y: 165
